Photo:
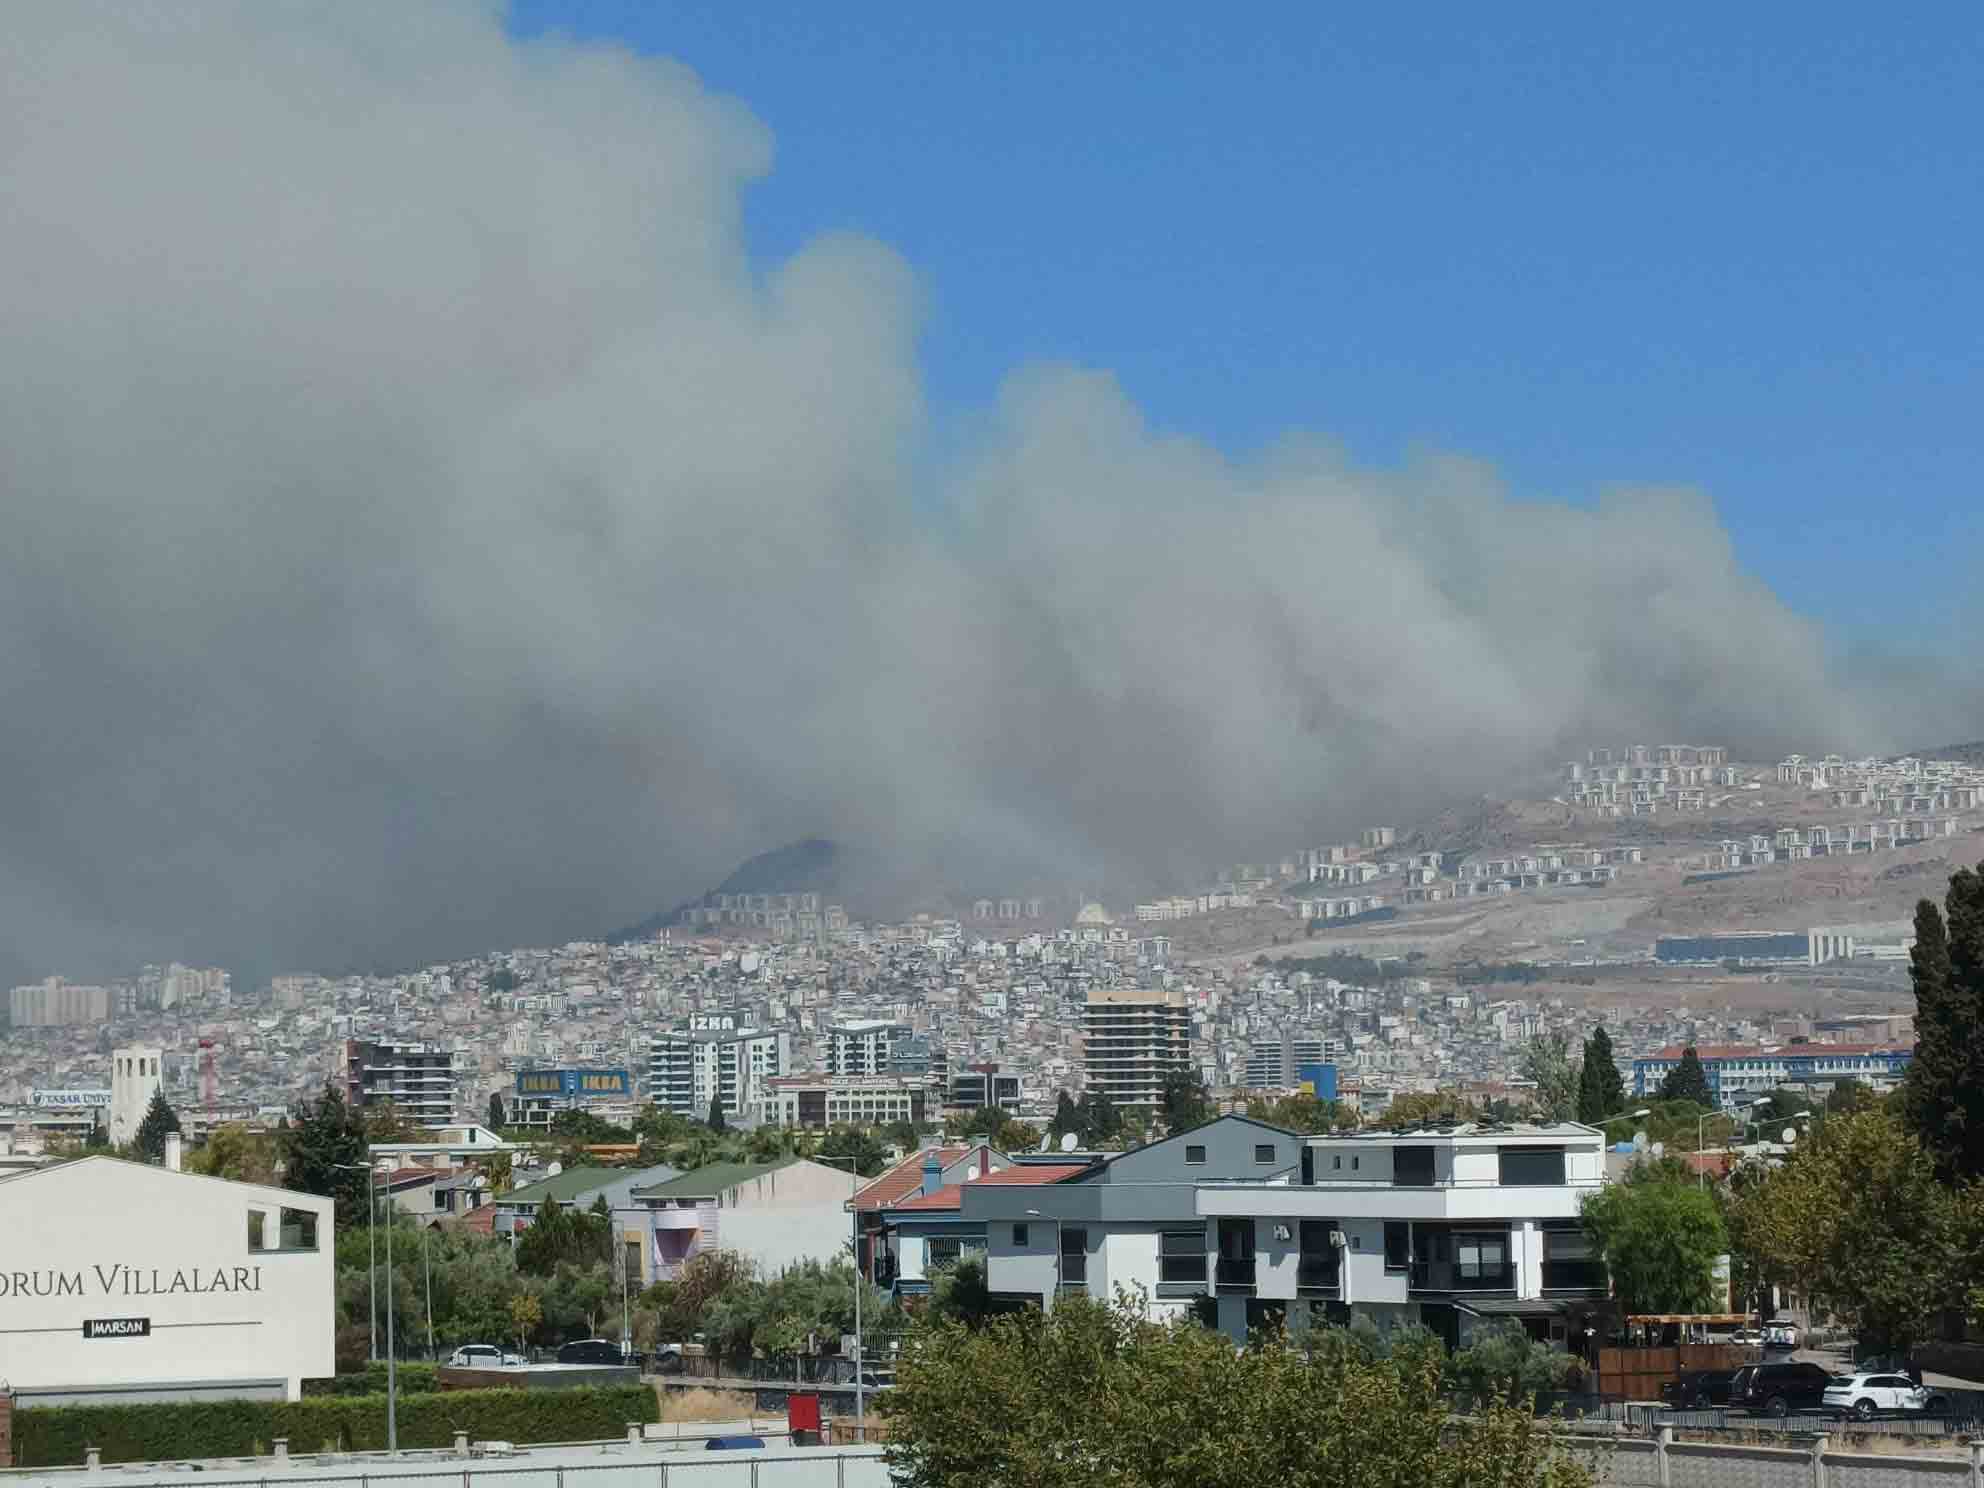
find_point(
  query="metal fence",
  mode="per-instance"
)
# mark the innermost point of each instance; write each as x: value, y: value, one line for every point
x: 1660, y: 1461
x: 818, y: 1467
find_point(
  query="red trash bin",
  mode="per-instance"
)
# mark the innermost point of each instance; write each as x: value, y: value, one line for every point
x: 802, y: 1418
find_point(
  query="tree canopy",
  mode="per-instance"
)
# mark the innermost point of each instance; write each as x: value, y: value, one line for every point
x: 160, y: 1122
x: 1944, y: 1090
x: 1546, y: 1060
x: 324, y: 1153
x: 1660, y: 1236
x: 1093, y: 1393
x: 1688, y: 1081
x: 1183, y: 1101
x: 1601, y: 1093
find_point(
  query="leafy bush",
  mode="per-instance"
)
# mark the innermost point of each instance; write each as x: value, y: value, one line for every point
x: 55, y: 1436
x: 414, y: 1379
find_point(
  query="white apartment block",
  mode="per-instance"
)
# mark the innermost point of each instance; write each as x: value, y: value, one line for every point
x: 864, y: 1048
x: 817, y: 1102
x: 688, y: 1069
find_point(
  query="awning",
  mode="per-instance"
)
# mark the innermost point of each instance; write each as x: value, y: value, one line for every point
x: 1516, y: 1307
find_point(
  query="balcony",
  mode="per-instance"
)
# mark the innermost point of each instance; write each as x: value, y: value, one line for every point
x: 1575, y: 1276
x: 1447, y: 1276
x: 1235, y: 1272
x: 1317, y: 1273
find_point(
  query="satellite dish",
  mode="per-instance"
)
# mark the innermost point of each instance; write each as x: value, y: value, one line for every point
x: 1791, y: 1134
x: 1068, y: 1142
x: 971, y: 1173
x: 1639, y: 1141
x: 554, y: 1169
x: 1659, y: 1149
x: 1044, y: 1141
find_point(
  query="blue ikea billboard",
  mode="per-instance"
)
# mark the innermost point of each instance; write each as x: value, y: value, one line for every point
x: 574, y: 1084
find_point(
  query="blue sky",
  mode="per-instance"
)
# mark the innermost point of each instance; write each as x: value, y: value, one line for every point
x: 1593, y: 245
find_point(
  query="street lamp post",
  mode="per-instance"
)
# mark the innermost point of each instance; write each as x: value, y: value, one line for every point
x: 854, y: 1189
x: 392, y: 1374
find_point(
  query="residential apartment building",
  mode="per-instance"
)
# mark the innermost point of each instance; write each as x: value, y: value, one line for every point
x: 57, y: 1004
x: 688, y: 1069
x: 775, y: 1213
x: 1739, y: 1073
x: 1444, y: 1226
x: 541, y: 1094
x: 1272, y: 1063
x: 1132, y: 1039
x: 819, y: 1101
x: 864, y: 1048
x: 417, y: 1079
x: 979, y: 1085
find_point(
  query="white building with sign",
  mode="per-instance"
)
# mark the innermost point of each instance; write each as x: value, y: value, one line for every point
x: 124, y: 1282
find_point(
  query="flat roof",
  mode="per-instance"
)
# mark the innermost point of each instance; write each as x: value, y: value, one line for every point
x: 1434, y: 1131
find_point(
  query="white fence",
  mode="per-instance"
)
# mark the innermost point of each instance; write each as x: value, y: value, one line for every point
x: 1661, y: 1462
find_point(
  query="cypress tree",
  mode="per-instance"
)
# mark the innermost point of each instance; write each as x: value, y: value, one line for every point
x: 1601, y: 1093
x: 1688, y: 1081
x: 717, y: 1123
x: 1944, y: 1092
x: 324, y: 1153
x: 160, y: 1120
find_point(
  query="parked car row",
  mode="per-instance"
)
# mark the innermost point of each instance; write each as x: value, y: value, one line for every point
x: 1801, y: 1389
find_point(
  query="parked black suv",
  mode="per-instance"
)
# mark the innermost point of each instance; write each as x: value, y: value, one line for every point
x: 1779, y: 1389
x: 1698, y: 1388
x: 592, y: 1351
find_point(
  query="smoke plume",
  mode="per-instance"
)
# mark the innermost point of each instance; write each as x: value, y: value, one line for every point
x: 426, y: 531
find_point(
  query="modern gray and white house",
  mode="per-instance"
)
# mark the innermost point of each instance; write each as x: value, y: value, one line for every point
x: 1445, y: 1225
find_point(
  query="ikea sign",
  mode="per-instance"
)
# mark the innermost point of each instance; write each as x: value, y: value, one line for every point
x: 574, y: 1084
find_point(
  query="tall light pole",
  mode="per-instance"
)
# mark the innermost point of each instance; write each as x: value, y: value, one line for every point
x: 392, y: 1374
x: 854, y: 1189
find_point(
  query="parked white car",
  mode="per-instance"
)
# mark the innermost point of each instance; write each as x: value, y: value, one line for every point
x: 483, y: 1356
x: 1868, y: 1395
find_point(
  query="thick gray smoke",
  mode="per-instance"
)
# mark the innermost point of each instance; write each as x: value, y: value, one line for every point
x: 426, y: 532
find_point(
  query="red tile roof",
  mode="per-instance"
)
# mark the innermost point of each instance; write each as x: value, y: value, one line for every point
x: 481, y: 1220
x: 947, y: 1197
x: 1031, y: 1173
x: 903, y: 1180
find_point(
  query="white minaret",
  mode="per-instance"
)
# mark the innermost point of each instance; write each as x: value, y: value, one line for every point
x: 134, y: 1079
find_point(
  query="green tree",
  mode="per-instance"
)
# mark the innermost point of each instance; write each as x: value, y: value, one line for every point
x: 1860, y: 1221
x: 559, y: 1237
x: 233, y: 1151
x: 1101, y: 1121
x: 1601, y: 1093
x: 384, y: 1123
x: 160, y: 1121
x: 858, y: 1143
x: 1067, y: 1118
x: 1303, y: 1112
x: 1660, y: 1236
x: 526, y: 1317
x: 1092, y: 1393
x: 1183, y: 1100
x: 1944, y: 1090
x: 1502, y: 1362
x: 1415, y: 1106
x: 1546, y: 1060
x: 324, y: 1153
x: 716, y: 1121
x: 1848, y: 1096
x: 959, y: 1293
x: 498, y: 1117
x: 1688, y: 1081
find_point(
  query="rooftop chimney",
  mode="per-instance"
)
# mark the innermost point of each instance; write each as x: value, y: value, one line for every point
x: 933, y: 1173
x: 173, y: 1145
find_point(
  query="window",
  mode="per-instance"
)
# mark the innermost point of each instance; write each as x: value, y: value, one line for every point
x: 1264, y: 1152
x: 941, y: 1253
x: 1337, y: 1162
x: 1398, y: 1245
x: 1532, y: 1166
x: 1481, y: 1260
x: 1019, y: 1236
x: 255, y: 1230
x: 1195, y: 1154
x: 1412, y: 1167
x: 1074, y: 1257
x: 1181, y: 1257
x: 299, y: 1229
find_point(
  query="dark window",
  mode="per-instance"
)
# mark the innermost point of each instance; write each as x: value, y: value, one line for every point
x: 1353, y: 1165
x: 1412, y: 1167
x: 1074, y: 1257
x: 255, y: 1230
x: 1181, y: 1257
x: 1337, y: 1161
x: 1195, y: 1154
x: 299, y: 1229
x: 1019, y: 1235
x: 1532, y: 1166
x: 942, y: 1253
x: 1264, y: 1152
x: 1398, y: 1245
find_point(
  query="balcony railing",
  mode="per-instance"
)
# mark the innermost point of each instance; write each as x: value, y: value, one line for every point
x: 1574, y: 1276
x: 1446, y: 1276
x: 1318, y: 1274
x: 1234, y: 1272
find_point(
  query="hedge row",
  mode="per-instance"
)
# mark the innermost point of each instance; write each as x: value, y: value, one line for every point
x: 414, y: 1379
x: 55, y: 1436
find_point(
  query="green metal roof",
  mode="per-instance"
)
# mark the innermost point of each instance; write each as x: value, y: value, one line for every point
x: 573, y: 1183
x: 712, y: 1179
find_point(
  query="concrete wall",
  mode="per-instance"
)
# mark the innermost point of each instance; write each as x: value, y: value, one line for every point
x: 102, y: 1239
x: 782, y: 1235
x: 1229, y: 1145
